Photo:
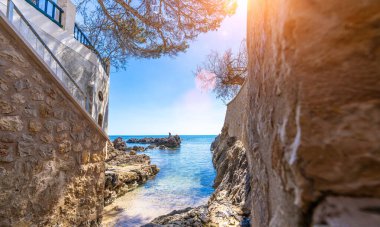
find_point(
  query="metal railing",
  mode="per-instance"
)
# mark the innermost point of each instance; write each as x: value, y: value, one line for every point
x: 82, y: 38
x: 49, y: 8
x: 20, y: 23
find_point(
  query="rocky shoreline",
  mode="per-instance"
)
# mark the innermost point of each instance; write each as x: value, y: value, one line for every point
x: 125, y: 171
x: 226, y: 206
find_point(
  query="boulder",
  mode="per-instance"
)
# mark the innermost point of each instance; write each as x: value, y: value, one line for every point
x: 119, y: 144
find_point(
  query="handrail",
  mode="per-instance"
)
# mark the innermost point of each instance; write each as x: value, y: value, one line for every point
x: 49, y: 61
x: 45, y: 9
x: 82, y: 38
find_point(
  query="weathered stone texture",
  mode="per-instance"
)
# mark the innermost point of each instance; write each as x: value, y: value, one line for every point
x: 49, y: 176
x: 309, y: 112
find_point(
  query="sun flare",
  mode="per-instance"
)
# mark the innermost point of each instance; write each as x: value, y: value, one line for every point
x: 242, y: 4
x: 239, y: 5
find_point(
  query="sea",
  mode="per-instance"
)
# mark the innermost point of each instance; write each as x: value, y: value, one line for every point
x: 185, y: 180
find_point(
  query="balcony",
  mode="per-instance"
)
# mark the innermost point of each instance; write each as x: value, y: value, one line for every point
x: 48, y: 8
x: 82, y: 38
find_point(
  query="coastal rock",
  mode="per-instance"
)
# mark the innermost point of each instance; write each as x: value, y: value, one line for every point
x: 196, y: 217
x: 162, y: 147
x: 169, y: 142
x: 119, y: 144
x: 124, y: 172
x: 136, y: 148
x: 151, y: 146
x: 117, y: 157
x: 215, y: 143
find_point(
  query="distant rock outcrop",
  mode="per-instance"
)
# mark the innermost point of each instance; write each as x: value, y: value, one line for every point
x: 162, y: 143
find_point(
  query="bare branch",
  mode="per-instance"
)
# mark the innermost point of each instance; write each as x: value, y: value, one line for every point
x: 229, y: 70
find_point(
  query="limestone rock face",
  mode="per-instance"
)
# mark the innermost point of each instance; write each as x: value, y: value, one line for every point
x: 347, y: 211
x: 51, y: 156
x: 309, y: 111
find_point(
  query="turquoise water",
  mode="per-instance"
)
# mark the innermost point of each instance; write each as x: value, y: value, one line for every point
x: 185, y: 180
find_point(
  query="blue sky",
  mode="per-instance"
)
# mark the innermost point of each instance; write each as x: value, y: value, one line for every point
x: 157, y: 96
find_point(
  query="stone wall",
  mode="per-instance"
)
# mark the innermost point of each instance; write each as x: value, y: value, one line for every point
x: 51, y: 152
x: 309, y: 112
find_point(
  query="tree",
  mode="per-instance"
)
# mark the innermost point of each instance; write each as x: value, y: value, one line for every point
x: 224, y: 73
x: 119, y: 29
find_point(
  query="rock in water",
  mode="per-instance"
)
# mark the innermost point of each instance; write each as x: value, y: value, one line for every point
x: 168, y: 142
x: 119, y: 144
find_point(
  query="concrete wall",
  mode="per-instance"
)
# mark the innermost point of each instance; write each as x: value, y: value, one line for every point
x: 51, y: 151
x: 309, y: 111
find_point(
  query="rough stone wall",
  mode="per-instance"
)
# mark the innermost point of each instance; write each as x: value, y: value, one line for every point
x: 309, y: 113
x: 51, y: 155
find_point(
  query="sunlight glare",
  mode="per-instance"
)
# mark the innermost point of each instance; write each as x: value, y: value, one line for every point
x: 239, y: 5
x: 242, y: 4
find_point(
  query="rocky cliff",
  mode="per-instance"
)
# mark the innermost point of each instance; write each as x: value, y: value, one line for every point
x: 309, y: 113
